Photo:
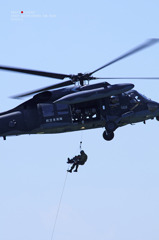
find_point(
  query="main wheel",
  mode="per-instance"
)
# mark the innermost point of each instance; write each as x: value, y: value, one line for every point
x: 108, y: 136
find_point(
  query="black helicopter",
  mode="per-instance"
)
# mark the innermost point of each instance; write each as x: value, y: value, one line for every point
x: 79, y: 107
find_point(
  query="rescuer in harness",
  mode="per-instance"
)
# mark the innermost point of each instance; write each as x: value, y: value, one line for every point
x: 77, y: 160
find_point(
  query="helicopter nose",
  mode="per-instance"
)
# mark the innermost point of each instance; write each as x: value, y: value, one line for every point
x: 153, y: 106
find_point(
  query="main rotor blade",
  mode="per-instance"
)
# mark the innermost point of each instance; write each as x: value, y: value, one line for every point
x: 58, y: 85
x: 35, y: 72
x: 131, y: 52
x: 130, y: 78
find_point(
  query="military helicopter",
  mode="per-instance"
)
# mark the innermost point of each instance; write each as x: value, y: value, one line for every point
x: 59, y: 108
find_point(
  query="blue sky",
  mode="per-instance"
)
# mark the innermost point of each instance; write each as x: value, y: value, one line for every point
x: 115, y: 195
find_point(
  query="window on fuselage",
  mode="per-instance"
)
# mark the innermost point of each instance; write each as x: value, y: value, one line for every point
x: 47, y: 109
x: 62, y: 109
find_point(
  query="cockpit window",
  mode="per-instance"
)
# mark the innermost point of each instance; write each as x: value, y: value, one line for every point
x: 136, y: 96
x: 146, y: 98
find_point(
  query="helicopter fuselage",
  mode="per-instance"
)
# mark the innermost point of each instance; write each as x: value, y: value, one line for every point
x: 78, y: 108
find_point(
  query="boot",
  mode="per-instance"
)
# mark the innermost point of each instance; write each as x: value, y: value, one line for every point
x: 69, y: 171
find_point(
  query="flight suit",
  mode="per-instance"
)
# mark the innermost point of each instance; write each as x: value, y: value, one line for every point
x: 78, y: 160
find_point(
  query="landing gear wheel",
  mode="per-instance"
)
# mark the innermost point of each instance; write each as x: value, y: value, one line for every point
x: 108, y: 136
x: 110, y: 126
x: 157, y: 118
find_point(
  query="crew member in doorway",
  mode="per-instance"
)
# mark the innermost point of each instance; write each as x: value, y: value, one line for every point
x: 77, y: 160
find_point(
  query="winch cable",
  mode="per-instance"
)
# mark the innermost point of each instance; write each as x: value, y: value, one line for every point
x: 81, y: 140
x: 80, y: 145
x: 60, y: 201
x: 59, y: 205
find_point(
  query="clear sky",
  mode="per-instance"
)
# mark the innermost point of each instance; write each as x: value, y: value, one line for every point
x: 115, y: 195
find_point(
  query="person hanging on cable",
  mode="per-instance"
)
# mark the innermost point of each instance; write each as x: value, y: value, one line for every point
x: 77, y: 160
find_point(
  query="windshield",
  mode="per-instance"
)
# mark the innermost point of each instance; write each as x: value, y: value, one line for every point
x: 146, y: 98
x: 138, y: 97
